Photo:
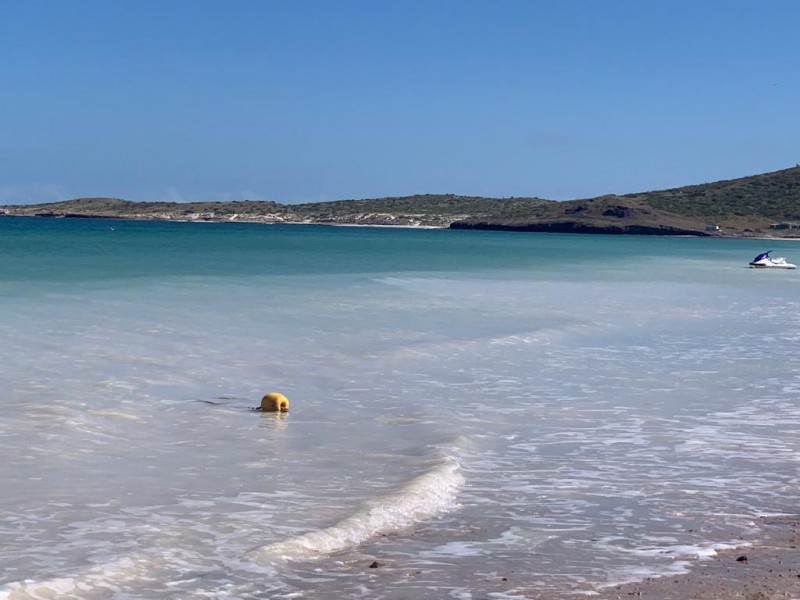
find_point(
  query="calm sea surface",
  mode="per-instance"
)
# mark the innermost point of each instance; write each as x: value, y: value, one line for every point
x: 484, y: 414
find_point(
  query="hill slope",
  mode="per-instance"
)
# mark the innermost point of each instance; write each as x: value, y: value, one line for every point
x: 748, y: 205
x: 772, y: 196
x: 744, y: 206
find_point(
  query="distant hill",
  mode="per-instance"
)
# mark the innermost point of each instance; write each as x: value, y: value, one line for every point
x: 769, y: 197
x: 607, y: 214
x: 745, y: 206
x: 436, y: 210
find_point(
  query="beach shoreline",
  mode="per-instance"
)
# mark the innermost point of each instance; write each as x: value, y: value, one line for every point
x: 344, y: 224
x: 767, y: 568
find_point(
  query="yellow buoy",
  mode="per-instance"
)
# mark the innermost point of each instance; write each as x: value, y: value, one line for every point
x: 274, y: 402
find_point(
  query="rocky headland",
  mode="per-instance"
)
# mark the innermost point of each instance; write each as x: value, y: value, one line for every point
x: 758, y: 206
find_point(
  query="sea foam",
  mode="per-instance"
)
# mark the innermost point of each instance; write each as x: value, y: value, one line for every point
x: 425, y: 496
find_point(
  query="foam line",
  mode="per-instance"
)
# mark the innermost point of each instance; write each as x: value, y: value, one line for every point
x: 106, y: 577
x: 423, y: 497
x: 429, y: 494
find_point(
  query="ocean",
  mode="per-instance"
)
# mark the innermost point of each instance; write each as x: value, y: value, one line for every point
x: 472, y: 414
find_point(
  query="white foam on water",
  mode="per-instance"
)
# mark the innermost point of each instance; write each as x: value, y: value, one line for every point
x: 105, y: 577
x: 453, y: 549
x: 32, y: 590
x: 679, y: 560
x: 424, y: 497
x: 507, y: 596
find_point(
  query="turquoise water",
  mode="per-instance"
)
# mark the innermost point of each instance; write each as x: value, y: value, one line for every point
x: 482, y: 413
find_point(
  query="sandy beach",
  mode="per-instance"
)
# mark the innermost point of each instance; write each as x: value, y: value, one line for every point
x: 767, y: 568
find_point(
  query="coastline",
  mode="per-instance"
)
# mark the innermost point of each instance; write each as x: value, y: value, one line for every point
x: 386, y: 221
x: 359, y: 220
x: 767, y: 568
x: 755, y: 206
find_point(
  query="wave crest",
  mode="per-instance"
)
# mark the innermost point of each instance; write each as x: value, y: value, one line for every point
x: 425, y: 496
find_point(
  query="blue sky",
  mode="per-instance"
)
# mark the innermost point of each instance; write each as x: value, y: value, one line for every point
x: 306, y: 101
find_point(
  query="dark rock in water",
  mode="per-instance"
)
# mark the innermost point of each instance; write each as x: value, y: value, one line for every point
x: 375, y: 564
x: 742, y: 559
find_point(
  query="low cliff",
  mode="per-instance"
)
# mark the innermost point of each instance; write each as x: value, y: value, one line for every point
x: 605, y: 215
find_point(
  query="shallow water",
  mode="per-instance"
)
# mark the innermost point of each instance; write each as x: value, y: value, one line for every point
x: 513, y: 415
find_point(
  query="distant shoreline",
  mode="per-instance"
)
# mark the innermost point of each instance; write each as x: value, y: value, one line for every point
x: 219, y: 220
x: 758, y: 206
x: 542, y: 229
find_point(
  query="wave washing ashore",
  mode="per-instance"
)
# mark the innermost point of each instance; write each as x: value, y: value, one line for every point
x: 473, y: 415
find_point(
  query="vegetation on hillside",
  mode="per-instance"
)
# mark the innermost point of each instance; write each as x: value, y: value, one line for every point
x: 773, y: 196
x: 432, y: 204
x: 744, y: 205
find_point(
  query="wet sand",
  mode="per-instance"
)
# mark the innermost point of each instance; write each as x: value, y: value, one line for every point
x: 768, y: 569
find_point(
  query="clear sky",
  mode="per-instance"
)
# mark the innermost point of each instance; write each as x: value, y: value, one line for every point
x: 305, y: 101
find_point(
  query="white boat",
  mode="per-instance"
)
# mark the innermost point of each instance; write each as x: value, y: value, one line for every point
x: 765, y: 261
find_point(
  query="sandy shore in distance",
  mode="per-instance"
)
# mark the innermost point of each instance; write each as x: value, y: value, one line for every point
x: 768, y: 569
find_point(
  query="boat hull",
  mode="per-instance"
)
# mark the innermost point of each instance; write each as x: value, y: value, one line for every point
x: 773, y: 266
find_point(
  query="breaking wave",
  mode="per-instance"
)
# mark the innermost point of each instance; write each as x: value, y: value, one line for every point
x: 429, y: 494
